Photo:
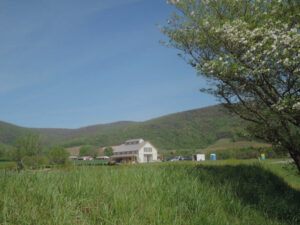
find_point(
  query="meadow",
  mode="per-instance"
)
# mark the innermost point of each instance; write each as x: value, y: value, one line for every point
x: 222, y: 192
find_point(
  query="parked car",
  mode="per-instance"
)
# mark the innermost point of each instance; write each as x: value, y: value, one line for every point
x: 187, y: 157
x: 177, y: 158
x: 174, y: 160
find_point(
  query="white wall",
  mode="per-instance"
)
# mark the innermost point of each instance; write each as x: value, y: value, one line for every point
x: 141, y: 153
x: 200, y: 157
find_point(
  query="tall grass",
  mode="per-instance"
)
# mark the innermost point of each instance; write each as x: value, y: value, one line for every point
x: 166, y: 193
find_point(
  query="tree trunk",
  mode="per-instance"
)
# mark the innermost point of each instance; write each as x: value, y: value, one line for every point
x: 20, y: 165
x: 297, y: 161
x: 296, y: 157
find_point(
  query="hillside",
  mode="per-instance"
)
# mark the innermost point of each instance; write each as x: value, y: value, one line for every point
x: 9, y: 132
x: 226, y: 143
x: 185, y: 130
x: 55, y: 135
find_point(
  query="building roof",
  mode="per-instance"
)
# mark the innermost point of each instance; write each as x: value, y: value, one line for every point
x: 131, y: 147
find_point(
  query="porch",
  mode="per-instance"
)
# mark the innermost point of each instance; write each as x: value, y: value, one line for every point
x: 124, y: 158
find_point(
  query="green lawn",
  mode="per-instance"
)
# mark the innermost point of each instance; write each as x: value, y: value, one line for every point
x: 222, y: 192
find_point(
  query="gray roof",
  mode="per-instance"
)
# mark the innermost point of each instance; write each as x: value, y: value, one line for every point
x: 131, y: 147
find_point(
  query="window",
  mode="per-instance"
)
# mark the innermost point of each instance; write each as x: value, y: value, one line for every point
x: 147, y: 149
x: 132, y: 142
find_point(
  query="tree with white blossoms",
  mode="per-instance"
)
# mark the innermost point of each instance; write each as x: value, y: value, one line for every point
x: 249, y: 52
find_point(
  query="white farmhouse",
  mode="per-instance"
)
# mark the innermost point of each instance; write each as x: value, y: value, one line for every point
x: 135, y: 150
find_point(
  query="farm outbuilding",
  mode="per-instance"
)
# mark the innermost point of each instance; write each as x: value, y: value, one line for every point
x: 85, y: 158
x: 135, y: 151
x: 199, y: 157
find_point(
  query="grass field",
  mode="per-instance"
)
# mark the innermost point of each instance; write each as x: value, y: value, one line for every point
x: 222, y: 192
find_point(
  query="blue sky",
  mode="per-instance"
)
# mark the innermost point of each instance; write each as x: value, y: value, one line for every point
x: 73, y: 63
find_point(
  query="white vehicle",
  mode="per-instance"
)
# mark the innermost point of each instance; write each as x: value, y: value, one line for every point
x: 178, y: 158
x: 174, y: 160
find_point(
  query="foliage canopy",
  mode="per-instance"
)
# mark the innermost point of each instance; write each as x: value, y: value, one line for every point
x: 108, y: 151
x: 28, y: 147
x: 249, y: 52
x: 59, y: 155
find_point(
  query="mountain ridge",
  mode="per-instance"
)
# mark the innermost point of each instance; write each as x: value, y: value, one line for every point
x: 188, y: 129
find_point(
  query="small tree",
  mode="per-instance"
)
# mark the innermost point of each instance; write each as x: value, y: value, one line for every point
x: 28, y: 146
x: 108, y: 151
x: 59, y: 155
x: 249, y: 52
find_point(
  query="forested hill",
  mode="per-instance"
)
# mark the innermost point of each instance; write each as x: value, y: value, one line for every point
x: 9, y: 132
x: 56, y: 135
x: 190, y: 129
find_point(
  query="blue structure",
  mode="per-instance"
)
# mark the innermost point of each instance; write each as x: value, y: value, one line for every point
x: 213, y: 157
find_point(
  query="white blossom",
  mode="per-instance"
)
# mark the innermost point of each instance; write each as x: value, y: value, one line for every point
x: 296, y: 106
